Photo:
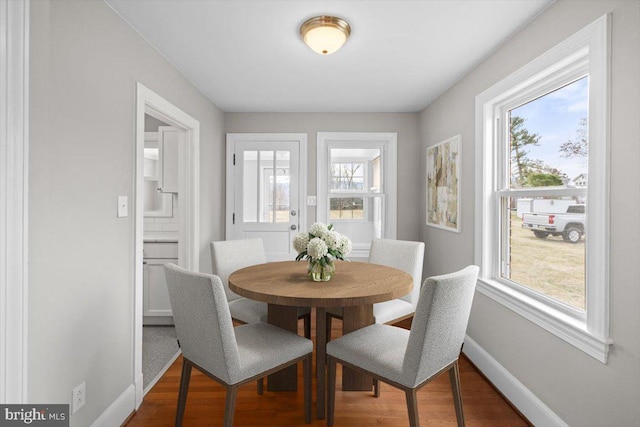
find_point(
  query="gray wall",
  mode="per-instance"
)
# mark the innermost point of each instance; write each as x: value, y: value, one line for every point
x: 405, y: 124
x: 581, y: 390
x: 85, y: 62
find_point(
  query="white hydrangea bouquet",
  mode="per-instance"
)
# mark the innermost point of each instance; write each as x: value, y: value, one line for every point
x: 321, y: 246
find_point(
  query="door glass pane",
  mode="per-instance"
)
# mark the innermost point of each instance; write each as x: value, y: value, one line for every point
x: 250, y: 184
x: 544, y: 246
x: 266, y: 185
x: 281, y: 190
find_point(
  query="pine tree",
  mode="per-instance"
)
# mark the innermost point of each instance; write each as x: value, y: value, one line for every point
x: 520, y: 138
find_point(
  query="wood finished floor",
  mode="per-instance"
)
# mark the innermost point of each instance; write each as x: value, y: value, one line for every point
x: 483, y: 406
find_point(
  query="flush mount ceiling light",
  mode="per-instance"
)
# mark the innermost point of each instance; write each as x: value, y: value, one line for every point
x: 325, y: 34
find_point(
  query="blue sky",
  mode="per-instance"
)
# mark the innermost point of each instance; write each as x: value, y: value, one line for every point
x: 555, y: 117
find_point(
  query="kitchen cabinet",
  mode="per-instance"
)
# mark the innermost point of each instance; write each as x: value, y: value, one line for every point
x: 156, y: 305
x: 158, y: 162
x: 169, y: 139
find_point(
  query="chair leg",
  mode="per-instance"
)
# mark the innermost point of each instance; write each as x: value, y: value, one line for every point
x: 454, y: 378
x: 260, y: 386
x: 412, y: 407
x: 306, y: 367
x: 230, y: 405
x: 331, y: 391
x: 376, y: 388
x: 182, y: 394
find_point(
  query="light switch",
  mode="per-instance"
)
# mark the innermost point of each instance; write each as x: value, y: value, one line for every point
x: 311, y: 200
x: 123, y: 206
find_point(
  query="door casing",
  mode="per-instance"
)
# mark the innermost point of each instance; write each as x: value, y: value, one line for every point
x: 189, y: 208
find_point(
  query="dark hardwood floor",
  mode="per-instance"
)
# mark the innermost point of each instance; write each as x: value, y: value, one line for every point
x: 483, y: 405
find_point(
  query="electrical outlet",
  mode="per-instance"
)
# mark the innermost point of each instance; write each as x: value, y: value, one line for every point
x: 78, y: 398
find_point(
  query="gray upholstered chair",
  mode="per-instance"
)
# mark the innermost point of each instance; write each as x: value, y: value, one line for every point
x: 231, y: 255
x: 401, y: 254
x: 231, y: 356
x: 410, y: 359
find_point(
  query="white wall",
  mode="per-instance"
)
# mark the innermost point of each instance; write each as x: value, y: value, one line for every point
x: 579, y: 389
x: 85, y: 62
x: 405, y: 124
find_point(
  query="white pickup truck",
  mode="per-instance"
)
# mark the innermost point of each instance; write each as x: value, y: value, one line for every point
x: 569, y: 225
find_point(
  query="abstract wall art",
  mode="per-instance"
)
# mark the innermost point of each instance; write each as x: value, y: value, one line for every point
x: 443, y: 184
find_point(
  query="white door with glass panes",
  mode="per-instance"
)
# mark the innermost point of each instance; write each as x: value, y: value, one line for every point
x: 264, y: 190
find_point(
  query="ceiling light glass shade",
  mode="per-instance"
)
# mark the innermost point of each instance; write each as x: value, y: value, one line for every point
x: 325, y: 34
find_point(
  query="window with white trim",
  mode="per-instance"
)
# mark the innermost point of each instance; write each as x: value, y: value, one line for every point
x: 357, y: 185
x: 542, y: 190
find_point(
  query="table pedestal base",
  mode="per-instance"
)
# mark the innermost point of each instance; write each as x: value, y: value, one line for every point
x: 354, y: 318
x: 285, y: 317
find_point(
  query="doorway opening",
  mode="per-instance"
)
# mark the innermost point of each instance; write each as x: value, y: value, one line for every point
x: 186, y: 175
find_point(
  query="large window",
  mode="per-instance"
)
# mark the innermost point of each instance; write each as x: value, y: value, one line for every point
x: 357, y: 186
x: 542, y: 178
x: 547, y: 149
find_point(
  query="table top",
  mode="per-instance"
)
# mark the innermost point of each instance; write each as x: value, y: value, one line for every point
x: 353, y: 283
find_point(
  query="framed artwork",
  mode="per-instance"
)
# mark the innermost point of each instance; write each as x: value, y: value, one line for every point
x: 443, y: 184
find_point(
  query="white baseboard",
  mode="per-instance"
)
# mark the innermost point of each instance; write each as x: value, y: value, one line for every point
x: 119, y: 410
x: 520, y: 396
x: 139, y: 391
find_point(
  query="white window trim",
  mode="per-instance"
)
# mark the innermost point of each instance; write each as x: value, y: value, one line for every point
x: 388, y: 144
x: 589, y: 333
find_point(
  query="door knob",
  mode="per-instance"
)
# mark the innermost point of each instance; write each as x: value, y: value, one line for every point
x: 294, y: 227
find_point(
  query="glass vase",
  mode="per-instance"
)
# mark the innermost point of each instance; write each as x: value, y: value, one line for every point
x: 319, y: 272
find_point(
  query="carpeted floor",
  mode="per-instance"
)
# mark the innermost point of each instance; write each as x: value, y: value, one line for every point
x: 159, y: 349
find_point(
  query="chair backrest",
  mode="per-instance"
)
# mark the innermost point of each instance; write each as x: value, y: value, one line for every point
x: 403, y: 255
x: 230, y: 255
x: 440, y: 323
x: 203, y: 321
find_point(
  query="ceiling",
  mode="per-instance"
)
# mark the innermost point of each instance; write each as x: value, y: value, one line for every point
x: 247, y: 55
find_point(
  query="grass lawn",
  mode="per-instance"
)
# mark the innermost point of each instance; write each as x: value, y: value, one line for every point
x: 551, y: 266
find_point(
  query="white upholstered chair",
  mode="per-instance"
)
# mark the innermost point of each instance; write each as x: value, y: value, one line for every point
x: 410, y: 359
x: 231, y: 255
x: 401, y: 254
x: 231, y: 356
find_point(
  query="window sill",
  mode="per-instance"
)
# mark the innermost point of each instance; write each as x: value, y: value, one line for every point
x: 567, y: 328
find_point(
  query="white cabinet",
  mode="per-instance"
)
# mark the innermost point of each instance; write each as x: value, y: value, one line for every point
x: 156, y: 305
x: 161, y: 151
x: 160, y: 166
x: 169, y: 139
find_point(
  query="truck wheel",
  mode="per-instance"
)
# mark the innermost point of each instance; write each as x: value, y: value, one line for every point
x: 540, y: 234
x: 572, y: 235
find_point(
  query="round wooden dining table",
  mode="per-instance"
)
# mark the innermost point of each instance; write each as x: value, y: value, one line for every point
x: 355, y: 286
